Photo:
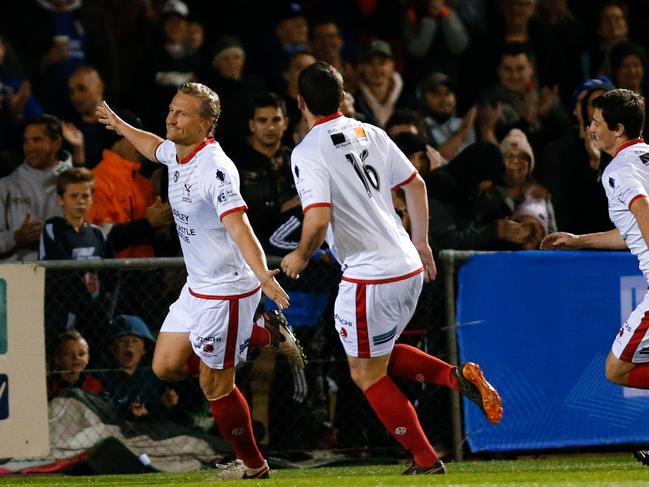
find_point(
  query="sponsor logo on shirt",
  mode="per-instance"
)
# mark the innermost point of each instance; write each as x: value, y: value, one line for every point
x: 187, y: 195
x: 221, y: 198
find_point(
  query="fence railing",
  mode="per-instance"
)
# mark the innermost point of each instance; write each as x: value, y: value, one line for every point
x: 321, y: 409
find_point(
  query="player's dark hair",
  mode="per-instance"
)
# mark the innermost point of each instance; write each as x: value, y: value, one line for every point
x: 210, y: 103
x: 72, y: 176
x: 622, y: 107
x: 266, y: 100
x: 51, y: 123
x: 321, y: 87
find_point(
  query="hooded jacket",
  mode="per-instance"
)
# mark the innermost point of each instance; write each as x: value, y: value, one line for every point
x: 27, y: 191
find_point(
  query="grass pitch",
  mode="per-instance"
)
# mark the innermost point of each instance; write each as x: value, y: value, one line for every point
x: 591, y: 470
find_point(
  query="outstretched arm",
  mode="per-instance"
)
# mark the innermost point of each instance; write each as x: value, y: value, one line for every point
x: 145, y: 142
x: 417, y: 203
x: 237, y: 225
x: 611, y: 240
x: 314, y: 229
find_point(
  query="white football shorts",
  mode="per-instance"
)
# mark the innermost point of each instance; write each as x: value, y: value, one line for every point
x: 219, y: 327
x: 370, y: 315
x: 632, y: 341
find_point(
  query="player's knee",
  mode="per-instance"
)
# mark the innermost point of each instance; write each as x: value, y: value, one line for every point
x: 615, y: 374
x: 166, y: 370
x: 362, y: 379
x: 161, y: 370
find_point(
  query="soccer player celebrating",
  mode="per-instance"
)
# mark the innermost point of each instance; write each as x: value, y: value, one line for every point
x: 616, y: 126
x: 226, y: 269
x: 344, y: 171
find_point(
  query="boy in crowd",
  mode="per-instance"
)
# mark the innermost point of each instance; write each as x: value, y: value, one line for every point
x: 69, y: 361
x: 135, y: 392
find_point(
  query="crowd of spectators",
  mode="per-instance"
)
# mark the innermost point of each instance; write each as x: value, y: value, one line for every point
x: 490, y: 100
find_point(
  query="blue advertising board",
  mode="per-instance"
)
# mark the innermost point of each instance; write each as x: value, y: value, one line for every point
x: 541, y: 324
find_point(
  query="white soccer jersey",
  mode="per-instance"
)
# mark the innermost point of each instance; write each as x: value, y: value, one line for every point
x: 625, y: 179
x: 352, y: 166
x: 203, y: 188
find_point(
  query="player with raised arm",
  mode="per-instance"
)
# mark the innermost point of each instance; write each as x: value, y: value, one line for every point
x: 616, y: 127
x: 344, y: 171
x: 226, y: 269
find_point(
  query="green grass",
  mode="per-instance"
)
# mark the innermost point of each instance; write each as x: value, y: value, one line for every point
x: 591, y: 470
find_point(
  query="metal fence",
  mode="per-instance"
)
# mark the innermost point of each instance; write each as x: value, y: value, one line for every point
x: 292, y: 413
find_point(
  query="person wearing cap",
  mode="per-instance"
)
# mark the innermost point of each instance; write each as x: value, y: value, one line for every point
x: 290, y: 36
x: 380, y: 86
x: 173, y: 62
x: 134, y: 390
x: 569, y: 168
x: 446, y: 131
x: 236, y: 88
x: 523, y: 190
x: 122, y: 195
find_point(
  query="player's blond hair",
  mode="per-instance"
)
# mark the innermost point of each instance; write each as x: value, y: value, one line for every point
x: 210, y: 106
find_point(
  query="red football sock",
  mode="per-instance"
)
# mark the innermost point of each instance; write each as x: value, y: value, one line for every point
x: 400, y: 418
x: 260, y: 337
x: 232, y: 416
x: 639, y: 377
x: 193, y: 365
x: 411, y: 363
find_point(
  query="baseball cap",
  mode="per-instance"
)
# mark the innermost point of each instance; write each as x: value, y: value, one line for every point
x: 434, y: 81
x: 175, y: 7
x: 377, y: 48
x: 290, y: 10
x: 602, y: 81
x: 130, y: 325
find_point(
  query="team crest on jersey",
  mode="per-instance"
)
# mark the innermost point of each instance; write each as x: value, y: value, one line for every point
x: 220, y: 175
x: 187, y: 193
x: 296, y: 170
x: 176, y: 176
x: 611, y: 182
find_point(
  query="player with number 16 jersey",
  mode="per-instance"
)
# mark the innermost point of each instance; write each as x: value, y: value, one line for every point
x: 344, y: 171
x: 357, y: 165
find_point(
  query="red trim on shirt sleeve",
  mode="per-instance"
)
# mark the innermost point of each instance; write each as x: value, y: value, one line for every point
x: 243, y: 208
x: 155, y: 152
x: 403, y: 183
x: 315, y: 205
x: 638, y: 196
